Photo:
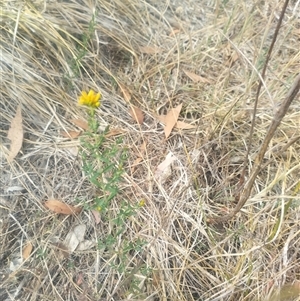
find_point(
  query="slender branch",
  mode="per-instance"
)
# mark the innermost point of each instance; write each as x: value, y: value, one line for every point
x: 243, y: 189
x: 295, y: 88
x: 242, y: 179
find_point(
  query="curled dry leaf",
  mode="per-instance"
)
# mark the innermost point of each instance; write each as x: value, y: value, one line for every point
x: 70, y: 134
x: 74, y: 237
x: 15, y: 135
x: 27, y: 251
x: 61, y: 208
x: 137, y: 114
x: 80, y: 123
x: 196, y: 78
x: 163, y: 170
x: 85, y: 245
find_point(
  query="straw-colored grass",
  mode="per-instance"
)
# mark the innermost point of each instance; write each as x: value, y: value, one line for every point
x: 144, y: 47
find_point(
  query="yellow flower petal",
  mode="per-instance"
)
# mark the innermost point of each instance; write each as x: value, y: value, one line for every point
x: 91, y: 93
x: 97, y: 97
x: 142, y: 203
x: 90, y: 99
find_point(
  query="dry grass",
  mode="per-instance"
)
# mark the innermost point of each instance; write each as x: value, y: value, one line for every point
x: 225, y: 42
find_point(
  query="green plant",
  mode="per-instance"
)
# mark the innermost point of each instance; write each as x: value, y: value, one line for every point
x: 103, y: 164
x: 82, y: 50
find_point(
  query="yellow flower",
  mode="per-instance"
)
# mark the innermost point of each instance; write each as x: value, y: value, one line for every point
x: 142, y: 203
x: 90, y: 99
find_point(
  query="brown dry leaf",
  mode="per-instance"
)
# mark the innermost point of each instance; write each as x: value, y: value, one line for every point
x: 125, y: 92
x: 80, y: 123
x: 79, y: 280
x: 171, y: 119
x: 196, y: 78
x: 161, y: 118
x: 70, y: 134
x: 15, y: 135
x: 97, y: 216
x: 74, y: 237
x: 114, y: 132
x: 27, y: 251
x: 150, y: 49
x: 60, y: 207
x: 163, y: 170
x: 179, y: 124
x: 137, y: 114
x: 183, y: 125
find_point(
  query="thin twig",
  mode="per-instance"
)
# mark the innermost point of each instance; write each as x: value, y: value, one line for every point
x: 260, y: 155
x: 242, y: 186
x: 261, y: 81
